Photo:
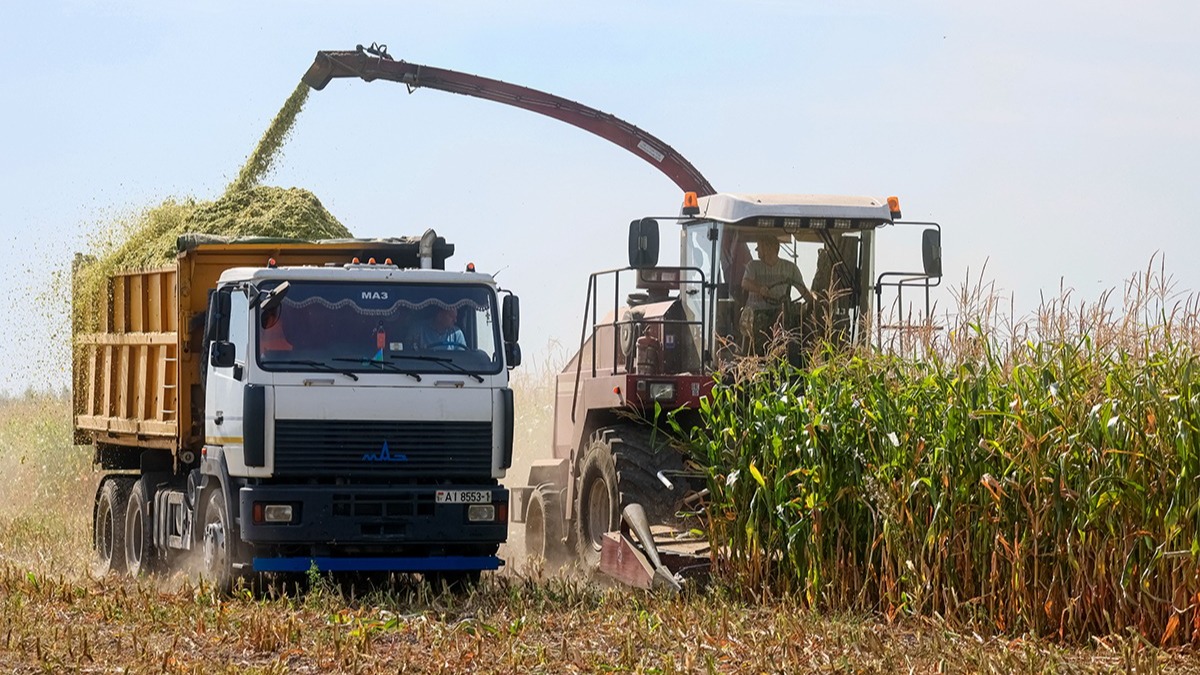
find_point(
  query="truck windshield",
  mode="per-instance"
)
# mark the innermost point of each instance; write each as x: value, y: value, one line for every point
x: 380, y: 327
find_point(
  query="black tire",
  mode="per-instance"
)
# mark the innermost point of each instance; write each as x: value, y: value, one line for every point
x: 140, y: 554
x: 620, y: 467
x: 597, y: 500
x: 108, y: 526
x: 217, y: 540
x: 544, y: 528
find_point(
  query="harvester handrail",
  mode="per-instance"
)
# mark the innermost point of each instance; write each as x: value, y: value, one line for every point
x: 904, y: 280
x: 592, y: 303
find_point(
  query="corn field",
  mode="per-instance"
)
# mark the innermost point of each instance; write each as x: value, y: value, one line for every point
x: 1035, y: 477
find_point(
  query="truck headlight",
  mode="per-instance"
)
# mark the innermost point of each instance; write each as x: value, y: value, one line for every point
x: 277, y: 513
x: 481, y: 513
x: 273, y: 513
x: 662, y: 391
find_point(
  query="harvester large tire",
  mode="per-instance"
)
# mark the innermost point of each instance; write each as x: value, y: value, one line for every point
x: 108, y: 526
x: 544, y: 538
x: 140, y: 554
x: 620, y: 467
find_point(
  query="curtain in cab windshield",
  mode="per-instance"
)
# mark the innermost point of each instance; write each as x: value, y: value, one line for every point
x: 381, y: 327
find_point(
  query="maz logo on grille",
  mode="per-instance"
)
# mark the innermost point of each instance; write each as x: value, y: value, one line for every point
x: 385, y: 455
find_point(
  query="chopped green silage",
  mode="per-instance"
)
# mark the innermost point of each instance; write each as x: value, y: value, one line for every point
x: 262, y: 211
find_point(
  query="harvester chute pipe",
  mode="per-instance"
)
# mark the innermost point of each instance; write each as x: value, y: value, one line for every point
x: 378, y: 66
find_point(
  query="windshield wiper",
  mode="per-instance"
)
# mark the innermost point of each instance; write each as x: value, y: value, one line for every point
x: 383, y: 365
x: 319, y: 365
x: 449, y: 363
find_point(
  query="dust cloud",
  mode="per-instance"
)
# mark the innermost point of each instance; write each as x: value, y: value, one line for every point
x: 533, y: 386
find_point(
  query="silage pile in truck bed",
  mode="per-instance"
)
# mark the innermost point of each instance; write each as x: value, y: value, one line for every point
x: 149, y: 239
x: 261, y: 211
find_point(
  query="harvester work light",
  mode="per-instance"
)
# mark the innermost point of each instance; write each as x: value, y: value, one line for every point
x: 691, y: 205
x: 662, y: 391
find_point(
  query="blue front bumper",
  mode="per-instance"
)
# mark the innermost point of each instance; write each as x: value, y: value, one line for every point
x: 414, y: 564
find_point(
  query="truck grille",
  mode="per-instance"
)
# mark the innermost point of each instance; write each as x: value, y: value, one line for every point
x: 383, y: 450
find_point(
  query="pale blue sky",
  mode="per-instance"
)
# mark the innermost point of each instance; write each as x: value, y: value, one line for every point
x: 1053, y: 143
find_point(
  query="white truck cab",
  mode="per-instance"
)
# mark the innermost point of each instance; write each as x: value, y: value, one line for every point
x: 357, y: 418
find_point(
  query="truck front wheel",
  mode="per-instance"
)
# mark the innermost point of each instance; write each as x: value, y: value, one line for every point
x: 218, y: 543
x: 108, y: 526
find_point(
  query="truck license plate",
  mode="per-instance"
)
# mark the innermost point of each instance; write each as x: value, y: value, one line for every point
x: 463, y: 497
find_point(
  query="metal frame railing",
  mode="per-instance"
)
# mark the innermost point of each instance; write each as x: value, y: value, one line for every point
x: 592, y: 306
x: 917, y: 280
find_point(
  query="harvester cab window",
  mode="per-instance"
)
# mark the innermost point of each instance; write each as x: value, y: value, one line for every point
x: 801, y: 250
x: 816, y: 270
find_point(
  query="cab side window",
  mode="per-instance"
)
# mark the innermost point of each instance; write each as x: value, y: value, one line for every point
x: 239, y: 323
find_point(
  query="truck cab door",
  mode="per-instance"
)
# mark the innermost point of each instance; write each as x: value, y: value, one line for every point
x: 224, y: 393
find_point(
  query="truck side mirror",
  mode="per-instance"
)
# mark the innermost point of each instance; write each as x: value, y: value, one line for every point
x: 643, y: 243
x: 511, y: 323
x: 512, y: 354
x: 931, y: 252
x: 223, y: 354
x: 216, y: 324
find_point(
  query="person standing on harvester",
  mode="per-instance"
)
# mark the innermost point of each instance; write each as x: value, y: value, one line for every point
x: 768, y: 282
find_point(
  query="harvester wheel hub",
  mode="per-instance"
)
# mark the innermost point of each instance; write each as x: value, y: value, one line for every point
x: 600, y: 511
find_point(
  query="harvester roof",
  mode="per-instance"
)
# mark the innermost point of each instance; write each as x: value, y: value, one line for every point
x: 747, y: 209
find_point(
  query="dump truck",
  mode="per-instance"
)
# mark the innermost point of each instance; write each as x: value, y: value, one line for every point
x: 654, y: 337
x: 287, y: 406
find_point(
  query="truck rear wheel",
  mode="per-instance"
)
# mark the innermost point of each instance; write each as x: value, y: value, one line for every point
x: 217, y: 543
x: 619, y: 468
x: 139, y: 533
x: 108, y: 526
x: 544, y: 528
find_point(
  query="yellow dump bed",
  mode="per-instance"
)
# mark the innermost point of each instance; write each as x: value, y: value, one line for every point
x: 137, y: 378
x: 126, y: 374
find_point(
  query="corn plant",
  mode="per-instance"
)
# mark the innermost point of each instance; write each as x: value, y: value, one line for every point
x: 1037, y: 477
